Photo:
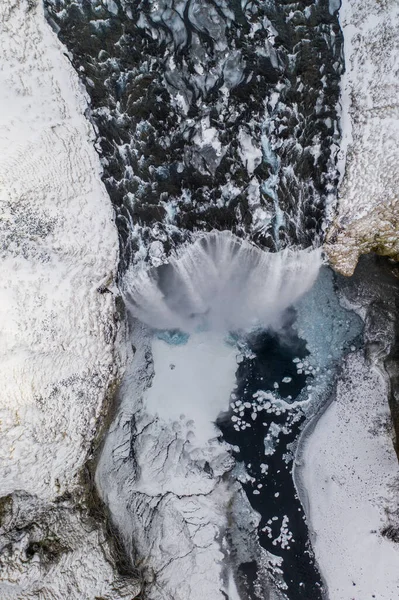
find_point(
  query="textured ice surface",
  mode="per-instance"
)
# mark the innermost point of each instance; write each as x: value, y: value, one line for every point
x: 330, y: 330
x: 184, y: 96
x: 57, y: 351
x: 162, y: 473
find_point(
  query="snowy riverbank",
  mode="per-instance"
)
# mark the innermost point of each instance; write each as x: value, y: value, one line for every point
x: 349, y: 467
x: 368, y: 198
x: 352, y: 476
x: 347, y: 464
x: 58, y: 354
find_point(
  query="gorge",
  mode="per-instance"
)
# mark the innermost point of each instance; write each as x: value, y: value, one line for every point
x: 195, y: 404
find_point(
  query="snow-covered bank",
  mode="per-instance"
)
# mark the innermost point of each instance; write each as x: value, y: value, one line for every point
x: 58, y: 357
x: 352, y: 476
x: 368, y: 208
x: 59, y: 244
x: 350, y: 470
x: 348, y: 465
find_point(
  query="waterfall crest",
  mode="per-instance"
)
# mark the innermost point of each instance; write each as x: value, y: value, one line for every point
x: 222, y: 283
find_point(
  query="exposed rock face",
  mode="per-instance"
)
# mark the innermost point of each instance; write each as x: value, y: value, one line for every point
x: 374, y: 289
x: 368, y: 210
x: 59, y: 359
x: 53, y: 551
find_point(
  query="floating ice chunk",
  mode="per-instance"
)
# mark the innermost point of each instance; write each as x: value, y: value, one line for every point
x: 112, y: 6
x: 208, y: 136
x: 250, y: 152
x: 270, y: 440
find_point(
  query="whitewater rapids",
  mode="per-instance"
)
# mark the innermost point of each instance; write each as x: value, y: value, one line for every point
x: 221, y: 283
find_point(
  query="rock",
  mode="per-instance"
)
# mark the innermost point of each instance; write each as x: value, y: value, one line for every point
x: 54, y: 551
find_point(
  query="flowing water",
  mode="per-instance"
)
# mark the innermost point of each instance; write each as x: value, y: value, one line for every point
x: 210, y: 114
x: 221, y: 283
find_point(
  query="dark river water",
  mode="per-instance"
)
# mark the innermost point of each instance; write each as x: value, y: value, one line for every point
x: 271, y: 492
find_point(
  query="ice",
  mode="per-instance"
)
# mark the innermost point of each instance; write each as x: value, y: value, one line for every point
x: 328, y: 328
x: 271, y: 438
x: 173, y: 337
x: 250, y: 152
x: 199, y: 384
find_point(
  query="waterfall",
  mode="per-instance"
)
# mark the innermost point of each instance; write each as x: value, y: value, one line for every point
x: 221, y: 283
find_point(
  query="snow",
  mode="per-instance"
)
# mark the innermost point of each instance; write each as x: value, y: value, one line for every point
x: 166, y: 485
x: 59, y: 246
x: 351, y: 475
x: 346, y: 470
x: 58, y: 355
x: 368, y: 157
x: 69, y: 558
x: 194, y: 380
x: 370, y: 90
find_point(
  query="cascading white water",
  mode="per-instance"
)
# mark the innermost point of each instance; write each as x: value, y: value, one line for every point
x: 222, y: 283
